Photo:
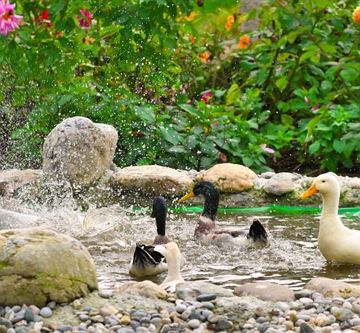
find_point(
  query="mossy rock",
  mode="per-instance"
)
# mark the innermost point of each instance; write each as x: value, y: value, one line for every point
x: 38, y: 265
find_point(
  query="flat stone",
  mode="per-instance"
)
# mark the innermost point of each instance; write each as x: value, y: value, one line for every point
x: 331, y: 288
x: 281, y: 183
x: 206, y: 297
x: 266, y: 291
x: 190, y: 290
x: 154, y: 179
x: 229, y: 177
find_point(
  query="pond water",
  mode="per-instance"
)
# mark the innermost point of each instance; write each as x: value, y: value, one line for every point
x: 291, y: 258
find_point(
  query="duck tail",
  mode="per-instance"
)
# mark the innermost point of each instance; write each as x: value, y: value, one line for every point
x: 257, y: 232
x: 145, y: 255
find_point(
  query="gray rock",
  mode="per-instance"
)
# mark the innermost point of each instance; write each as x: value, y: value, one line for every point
x: 265, y: 291
x: 303, y: 293
x: 180, y: 308
x: 21, y: 329
x: 206, y: 297
x: 194, y: 323
x: 79, y: 150
x: 331, y: 288
x: 189, y: 291
x: 125, y: 330
x: 223, y: 325
x: 46, y: 312
x: 105, y: 293
x: 29, y: 315
x: 281, y: 183
x: 306, y: 328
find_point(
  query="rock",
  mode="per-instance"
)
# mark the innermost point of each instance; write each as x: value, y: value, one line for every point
x: 79, y: 150
x: 305, y: 328
x: 224, y: 325
x: 151, y: 179
x: 10, y: 219
x: 330, y: 288
x: 189, y: 291
x: 281, y: 183
x: 11, y: 180
x: 38, y: 265
x: 105, y: 293
x: 206, y: 297
x: 145, y: 288
x: 229, y: 177
x: 45, y: 312
x: 266, y: 291
x: 194, y: 323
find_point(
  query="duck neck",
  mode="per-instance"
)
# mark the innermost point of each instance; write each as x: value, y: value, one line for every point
x: 160, y: 224
x: 174, y: 268
x: 330, y: 204
x: 210, y: 207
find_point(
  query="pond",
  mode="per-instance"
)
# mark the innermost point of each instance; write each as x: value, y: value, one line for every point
x: 110, y: 233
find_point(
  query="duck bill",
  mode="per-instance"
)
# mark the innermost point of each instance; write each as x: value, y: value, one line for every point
x: 187, y: 196
x: 309, y: 192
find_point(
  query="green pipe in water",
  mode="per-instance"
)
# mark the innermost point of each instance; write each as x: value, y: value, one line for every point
x: 271, y: 209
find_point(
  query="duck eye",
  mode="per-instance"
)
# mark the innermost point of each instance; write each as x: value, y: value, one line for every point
x: 323, y: 181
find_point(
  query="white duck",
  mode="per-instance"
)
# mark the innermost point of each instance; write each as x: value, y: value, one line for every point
x: 173, y: 258
x: 337, y: 243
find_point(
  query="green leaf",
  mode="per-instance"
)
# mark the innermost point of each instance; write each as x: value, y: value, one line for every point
x: 146, y: 114
x: 312, y: 124
x: 177, y: 149
x: 286, y: 119
x: 190, y: 109
x: 321, y: 4
x: 232, y: 94
x: 314, y: 147
x: 170, y: 135
x: 281, y: 83
x: 339, y: 146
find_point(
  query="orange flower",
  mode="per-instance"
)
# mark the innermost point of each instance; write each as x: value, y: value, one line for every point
x: 88, y: 40
x: 204, y: 56
x: 356, y: 15
x: 229, y: 23
x: 190, y: 17
x: 192, y: 39
x: 244, y: 42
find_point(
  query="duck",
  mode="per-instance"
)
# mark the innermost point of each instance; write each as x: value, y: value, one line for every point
x: 206, y: 227
x: 173, y: 257
x: 146, y: 260
x: 336, y: 242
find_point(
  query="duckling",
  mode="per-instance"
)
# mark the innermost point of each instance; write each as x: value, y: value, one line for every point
x: 337, y: 243
x: 205, y: 228
x: 173, y: 258
x: 146, y: 260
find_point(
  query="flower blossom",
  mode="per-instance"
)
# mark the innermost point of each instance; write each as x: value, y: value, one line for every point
x: 267, y: 149
x: 190, y: 17
x: 206, y: 97
x: 8, y: 20
x: 85, y: 19
x: 204, y: 56
x: 229, y: 22
x: 43, y: 18
x: 223, y: 157
x: 244, y: 42
x: 356, y: 15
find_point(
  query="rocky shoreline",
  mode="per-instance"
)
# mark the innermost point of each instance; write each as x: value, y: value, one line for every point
x: 199, y: 307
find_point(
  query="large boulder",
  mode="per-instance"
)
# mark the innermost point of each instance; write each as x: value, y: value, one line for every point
x: 229, y: 177
x: 11, y: 180
x: 151, y: 179
x: 79, y: 150
x: 38, y: 265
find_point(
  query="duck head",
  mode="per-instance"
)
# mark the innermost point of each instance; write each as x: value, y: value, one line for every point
x: 326, y: 184
x: 159, y: 212
x: 211, y: 194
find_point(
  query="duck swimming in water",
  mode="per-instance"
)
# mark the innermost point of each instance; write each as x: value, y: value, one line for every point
x: 173, y: 257
x: 337, y: 243
x: 206, y: 228
x: 146, y: 260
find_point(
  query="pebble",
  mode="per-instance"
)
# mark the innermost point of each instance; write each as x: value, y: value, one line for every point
x: 180, y: 308
x: 194, y: 323
x: 105, y: 293
x: 224, y: 325
x: 46, y: 312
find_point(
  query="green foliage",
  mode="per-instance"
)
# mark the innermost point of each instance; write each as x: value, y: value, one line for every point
x: 143, y: 66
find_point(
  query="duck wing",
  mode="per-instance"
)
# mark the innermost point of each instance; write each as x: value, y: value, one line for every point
x: 146, y: 261
x: 257, y: 232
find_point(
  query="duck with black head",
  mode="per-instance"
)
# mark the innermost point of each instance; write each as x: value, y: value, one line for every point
x: 146, y: 260
x: 206, y: 227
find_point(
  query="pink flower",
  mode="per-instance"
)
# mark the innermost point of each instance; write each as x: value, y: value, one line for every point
x: 223, y: 158
x: 307, y: 101
x: 8, y: 20
x: 206, y: 96
x: 266, y: 149
x: 315, y: 108
x: 85, y: 19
